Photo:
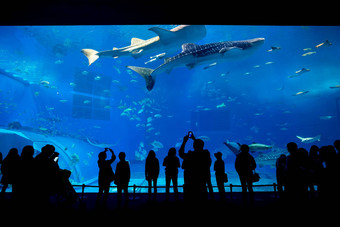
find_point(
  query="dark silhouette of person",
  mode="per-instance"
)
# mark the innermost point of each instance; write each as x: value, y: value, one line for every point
x: 303, y: 174
x: 171, y: 163
x: 196, y: 165
x: 220, y: 174
x: 315, y: 166
x: 66, y: 190
x: 105, y: 176
x: 122, y: 178
x: 292, y: 166
x: 47, y: 173
x: 281, y: 174
x: 152, y: 172
x: 245, y: 165
x: 26, y: 180
x: 9, y: 170
x: 329, y: 183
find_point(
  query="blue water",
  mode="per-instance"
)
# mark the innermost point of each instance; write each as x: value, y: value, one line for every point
x: 48, y: 87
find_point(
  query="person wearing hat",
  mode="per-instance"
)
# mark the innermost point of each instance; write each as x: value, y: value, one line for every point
x: 220, y: 174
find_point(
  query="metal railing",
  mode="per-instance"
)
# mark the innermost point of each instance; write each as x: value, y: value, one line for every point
x: 135, y: 187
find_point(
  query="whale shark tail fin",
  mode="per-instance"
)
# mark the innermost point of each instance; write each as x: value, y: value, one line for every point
x: 92, y: 55
x: 146, y: 74
x: 300, y: 138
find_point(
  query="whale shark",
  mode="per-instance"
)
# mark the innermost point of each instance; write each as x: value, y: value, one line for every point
x: 193, y: 55
x: 166, y: 41
x: 235, y: 147
x: 259, y: 147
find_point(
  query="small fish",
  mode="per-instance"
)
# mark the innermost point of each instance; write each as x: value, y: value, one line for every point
x: 140, y: 111
x: 157, y: 144
x: 127, y: 110
x: 63, y: 100
x: 303, y: 70
x: 300, y: 93
x: 326, y: 117
x: 97, y: 78
x: 43, y: 82
x: 336, y: 86
x: 87, y: 102
x: 58, y: 62
x: 84, y: 72
x: 157, y: 116
x: 308, y: 53
x: 273, y: 49
x: 269, y: 63
x: 299, y: 72
x: 211, y: 65
x: 151, y: 60
x: 221, y: 106
x: 326, y: 43
x: 49, y: 108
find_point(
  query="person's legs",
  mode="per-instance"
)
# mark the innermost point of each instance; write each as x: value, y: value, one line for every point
x: 149, y: 188
x: 175, y: 184
x: 250, y: 189
x: 244, y: 188
x: 155, y: 188
x: 167, y: 186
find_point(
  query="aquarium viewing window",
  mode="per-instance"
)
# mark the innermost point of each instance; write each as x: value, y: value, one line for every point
x: 134, y: 88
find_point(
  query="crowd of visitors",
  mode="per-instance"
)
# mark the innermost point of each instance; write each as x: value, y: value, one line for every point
x: 35, y: 179
x: 301, y: 175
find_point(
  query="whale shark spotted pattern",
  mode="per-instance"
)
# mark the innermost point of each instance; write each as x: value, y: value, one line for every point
x: 193, y: 55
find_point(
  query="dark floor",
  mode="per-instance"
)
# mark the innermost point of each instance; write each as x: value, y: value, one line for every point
x: 138, y: 210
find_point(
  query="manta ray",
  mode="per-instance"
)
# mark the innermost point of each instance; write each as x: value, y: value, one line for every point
x: 166, y: 41
x: 193, y: 55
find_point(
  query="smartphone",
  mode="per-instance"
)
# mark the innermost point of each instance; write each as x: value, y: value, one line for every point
x: 190, y: 134
x: 56, y: 159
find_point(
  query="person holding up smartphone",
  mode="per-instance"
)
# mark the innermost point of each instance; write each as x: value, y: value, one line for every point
x: 106, y: 174
x: 196, y: 165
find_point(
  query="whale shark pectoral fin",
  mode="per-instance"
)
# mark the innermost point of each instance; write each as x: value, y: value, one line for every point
x: 136, y: 53
x: 165, y: 36
x: 146, y: 74
x: 226, y: 49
